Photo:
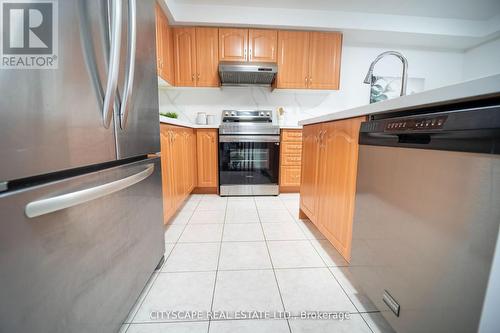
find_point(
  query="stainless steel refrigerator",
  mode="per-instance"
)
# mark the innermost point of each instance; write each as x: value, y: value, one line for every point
x: 80, y: 185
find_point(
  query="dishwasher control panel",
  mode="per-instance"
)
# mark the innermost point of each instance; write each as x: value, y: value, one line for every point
x: 413, y: 124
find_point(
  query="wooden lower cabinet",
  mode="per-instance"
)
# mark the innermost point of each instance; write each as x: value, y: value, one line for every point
x: 188, y: 164
x: 178, y: 159
x: 207, y: 143
x: 310, y: 164
x: 328, y: 186
x: 290, y: 160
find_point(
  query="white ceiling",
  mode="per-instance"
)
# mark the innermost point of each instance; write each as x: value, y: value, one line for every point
x: 455, y: 9
x: 432, y: 24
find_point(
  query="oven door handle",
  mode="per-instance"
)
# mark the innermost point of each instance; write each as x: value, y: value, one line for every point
x: 249, y: 138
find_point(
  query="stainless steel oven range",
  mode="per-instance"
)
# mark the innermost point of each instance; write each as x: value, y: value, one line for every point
x: 249, y: 150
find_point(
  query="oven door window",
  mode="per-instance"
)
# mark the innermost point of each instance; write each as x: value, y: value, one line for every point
x: 248, y: 163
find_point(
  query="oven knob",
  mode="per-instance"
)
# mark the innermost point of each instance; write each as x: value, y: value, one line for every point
x: 233, y: 114
x: 268, y: 114
x: 262, y: 114
x: 226, y: 114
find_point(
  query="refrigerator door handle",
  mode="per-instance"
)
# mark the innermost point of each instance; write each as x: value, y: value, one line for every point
x: 129, y: 75
x: 114, y: 61
x: 54, y: 204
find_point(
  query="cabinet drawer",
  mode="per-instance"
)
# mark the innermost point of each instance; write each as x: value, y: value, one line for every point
x: 292, y: 135
x: 291, y: 147
x: 290, y: 176
x: 291, y: 159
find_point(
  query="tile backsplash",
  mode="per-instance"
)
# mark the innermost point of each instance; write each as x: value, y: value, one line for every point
x: 187, y: 102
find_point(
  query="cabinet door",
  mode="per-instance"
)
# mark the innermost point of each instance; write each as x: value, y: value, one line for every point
x: 177, y: 158
x: 185, y: 56
x: 233, y: 43
x: 207, y: 57
x: 337, y: 182
x: 168, y: 51
x: 293, y: 59
x: 168, y: 179
x: 159, y: 39
x: 324, y: 60
x: 186, y: 176
x: 206, y: 146
x: 192, y: 160
x: 310, y: 164
x: 290, y: 176
x: 262, y: 45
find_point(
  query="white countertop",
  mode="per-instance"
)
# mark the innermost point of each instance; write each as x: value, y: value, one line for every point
x: 458, y: 92
x: 291, y: 126
x: 184, y: 123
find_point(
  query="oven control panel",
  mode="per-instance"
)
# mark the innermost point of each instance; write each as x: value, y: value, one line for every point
x: 415, y: 124
x: 256, y: 116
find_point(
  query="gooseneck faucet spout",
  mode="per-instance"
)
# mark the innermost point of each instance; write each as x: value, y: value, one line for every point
x: 404, y: 76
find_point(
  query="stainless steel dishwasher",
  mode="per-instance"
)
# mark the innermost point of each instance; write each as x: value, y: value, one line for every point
x: 427, y: 217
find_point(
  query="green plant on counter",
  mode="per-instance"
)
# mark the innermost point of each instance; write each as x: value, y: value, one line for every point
x: 169, y: 114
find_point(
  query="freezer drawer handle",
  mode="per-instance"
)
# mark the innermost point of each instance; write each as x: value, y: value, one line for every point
x: 114, y: 61
x: 49, y: 205
x: 129, y: 76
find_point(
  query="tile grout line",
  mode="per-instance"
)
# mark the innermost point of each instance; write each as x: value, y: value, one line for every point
x: 272, y: 266
x: 158, y: 272
x: 333, y: 275
x: 183, y: 229
x: 217, y: 268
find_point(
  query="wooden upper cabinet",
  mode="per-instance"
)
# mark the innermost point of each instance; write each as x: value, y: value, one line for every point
x: 309, y: 60
x: 185, y: 56
x: 324, y: 60
x: 206, y: 146
x: 262, y: 45
x: 164, y: 47
x: 293, y: 59
x: 233, y: 44
x: 159, y: 38
x: 207, y: 57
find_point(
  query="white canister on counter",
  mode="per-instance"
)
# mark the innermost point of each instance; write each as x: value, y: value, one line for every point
x: 201, y: 118
x: 281, y: 116
x: 210, y: 119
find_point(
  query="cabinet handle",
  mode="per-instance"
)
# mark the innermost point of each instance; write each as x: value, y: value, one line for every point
x: 250, y: 55
x: 198, y: 77
x: 245, y: 53
x: 192, y: 77
x: 306, y: 80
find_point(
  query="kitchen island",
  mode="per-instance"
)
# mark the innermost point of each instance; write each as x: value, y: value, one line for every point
x: 330, y: 153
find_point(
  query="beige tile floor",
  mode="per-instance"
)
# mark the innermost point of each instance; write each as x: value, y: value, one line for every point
x: 250, y: 253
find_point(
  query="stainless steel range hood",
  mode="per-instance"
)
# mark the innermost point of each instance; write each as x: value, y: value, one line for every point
x: 247, y: 73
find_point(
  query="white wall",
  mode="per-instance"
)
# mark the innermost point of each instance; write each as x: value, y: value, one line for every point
x: 437, y: 68
x: 483, y: 60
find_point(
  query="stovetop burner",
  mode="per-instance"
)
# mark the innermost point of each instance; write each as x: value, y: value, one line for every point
x: 245, y: 122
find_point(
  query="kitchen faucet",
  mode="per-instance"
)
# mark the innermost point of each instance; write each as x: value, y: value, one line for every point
x: 404, y: 76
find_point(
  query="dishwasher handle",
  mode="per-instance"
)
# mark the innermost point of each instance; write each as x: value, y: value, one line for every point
x: 60, y: 202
